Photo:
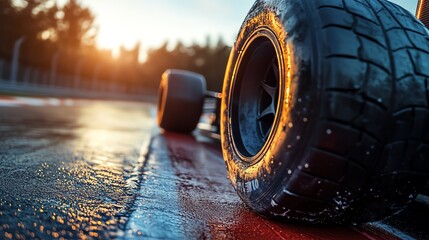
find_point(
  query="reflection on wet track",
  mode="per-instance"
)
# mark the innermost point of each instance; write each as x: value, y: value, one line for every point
x: 208, y: 205
x: 70, y: 172
x: 104, y: 170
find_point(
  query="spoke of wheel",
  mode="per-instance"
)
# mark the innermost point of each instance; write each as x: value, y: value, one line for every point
x: 270, y: 90
x: 270, y: 110
x: 267, y: 133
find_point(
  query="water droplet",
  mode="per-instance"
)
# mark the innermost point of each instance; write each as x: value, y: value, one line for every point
x: 289, y: 146
x: 299, y: 167
x: 289, y: 171
x: 290, y: 125
x: 299, y: 100
x: 306, y: 165
x: 298, y: 137
x: 329, y: 131
x: 305, y: 119
x: 367, y: 152
x: 379, y: 100
x: 273, y: 203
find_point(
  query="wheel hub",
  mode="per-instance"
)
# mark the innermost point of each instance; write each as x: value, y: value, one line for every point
x: 255, y: 96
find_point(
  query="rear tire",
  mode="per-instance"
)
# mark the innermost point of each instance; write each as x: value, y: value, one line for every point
x: 180, y: 100
x: 325, y: 112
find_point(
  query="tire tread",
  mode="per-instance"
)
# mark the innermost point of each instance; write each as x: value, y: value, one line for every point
x: 377, y: 143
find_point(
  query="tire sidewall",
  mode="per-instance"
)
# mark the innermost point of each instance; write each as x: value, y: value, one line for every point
x: 180, y: 101
x: 256, y: 182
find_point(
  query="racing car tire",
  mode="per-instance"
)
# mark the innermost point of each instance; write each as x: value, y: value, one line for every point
x: 180, y: 100
x: 325, y: 112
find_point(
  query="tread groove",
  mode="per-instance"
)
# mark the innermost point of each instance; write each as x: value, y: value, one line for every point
x: 327, y: 152
x: 388, y: 43
x: 356, y: 58
x: 328, y: 6
x: 336, y: 26
x: 375, y: 102
x: 342, y: 90
x: 351, y: 125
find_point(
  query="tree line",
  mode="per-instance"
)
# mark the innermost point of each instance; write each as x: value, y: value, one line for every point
x: 68, y: 33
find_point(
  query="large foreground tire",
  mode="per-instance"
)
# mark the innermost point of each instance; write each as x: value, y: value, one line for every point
x: 180, y: 100
x: 325, y: 111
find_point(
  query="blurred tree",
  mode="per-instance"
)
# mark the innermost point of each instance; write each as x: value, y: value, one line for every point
x: 35, y: 17
x: 75, y: 27
x: 130, y: 56
x: 63, y: 36
x: 217, y: 65
x: 207, y: 60
x: 27, y: 18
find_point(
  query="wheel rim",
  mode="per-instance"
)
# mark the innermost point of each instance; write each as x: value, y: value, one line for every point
x: 255, y: 96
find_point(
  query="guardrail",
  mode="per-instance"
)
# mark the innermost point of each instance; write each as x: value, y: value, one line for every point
x: 33, y: 81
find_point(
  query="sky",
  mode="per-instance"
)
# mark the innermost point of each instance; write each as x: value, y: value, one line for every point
x: 152, y: 22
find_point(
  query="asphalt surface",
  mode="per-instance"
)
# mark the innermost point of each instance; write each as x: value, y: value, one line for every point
x: 70, y: 171
x: 102, y: 169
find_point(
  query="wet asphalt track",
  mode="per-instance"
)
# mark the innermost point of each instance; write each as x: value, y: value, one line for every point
x: 103, y: 169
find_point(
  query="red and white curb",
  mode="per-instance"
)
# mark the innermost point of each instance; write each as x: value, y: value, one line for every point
x: 10, y: 101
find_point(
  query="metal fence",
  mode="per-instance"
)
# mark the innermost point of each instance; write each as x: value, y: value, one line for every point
x: 20, y: 79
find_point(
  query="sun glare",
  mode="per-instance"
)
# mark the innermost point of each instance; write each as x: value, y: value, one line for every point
x: 152, y: 23
x: 112, y: 36
x: 110, y: 42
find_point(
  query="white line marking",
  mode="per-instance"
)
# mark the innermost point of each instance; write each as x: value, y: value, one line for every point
x: 157, y: 211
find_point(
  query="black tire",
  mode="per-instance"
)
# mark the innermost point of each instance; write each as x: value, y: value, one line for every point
x: 180, y: 100
x: 325, y: 116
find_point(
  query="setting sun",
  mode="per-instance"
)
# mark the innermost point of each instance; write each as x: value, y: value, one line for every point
x: 115, y: 37
x: 153, y: 23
